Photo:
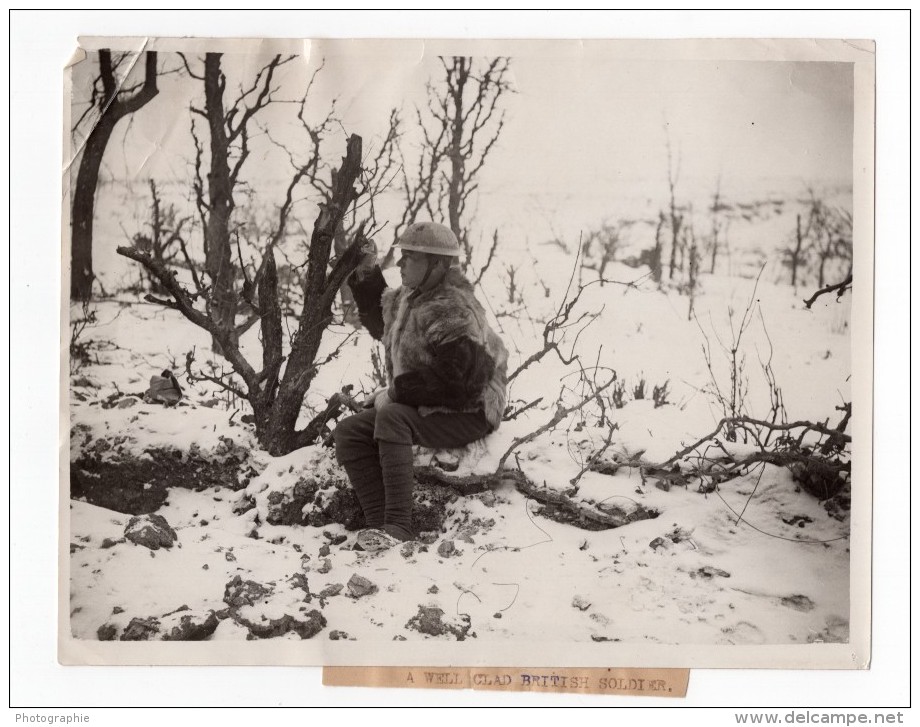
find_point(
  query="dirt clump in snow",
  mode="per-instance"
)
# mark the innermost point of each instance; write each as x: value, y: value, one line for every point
x: 311, y: 502
x: 107, y: 632
x: 151, y: 531
x: 446, y: 548
x: 818, y: 478
x: 307, y: 627
x: 299, y: 580
x: 109, y: 475
x: 186, y: 625
x: 708, y: 572
x: 838, y: 506
x: 239, y: 593
x: 430, y: 620
x: 322, y: 502
x: 141, y: 629
x: 429, y: 509
x: 798, y: 602
x: 244, y: 593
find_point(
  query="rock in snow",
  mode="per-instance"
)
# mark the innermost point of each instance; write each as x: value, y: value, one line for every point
x: 151, y: 531
x: 333, y: 590
x: 446, y: 548
x: 581, y: 603
x: 359, y: 586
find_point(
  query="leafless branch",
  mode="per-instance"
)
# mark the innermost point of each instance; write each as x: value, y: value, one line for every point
x: 840, y: 288
x: 612, y: 427
x: 808, y: 426
x: 517, y: 412
x: 223, y: 379
x: 560, y: 414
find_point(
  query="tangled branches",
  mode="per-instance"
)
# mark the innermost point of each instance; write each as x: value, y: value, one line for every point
x: 817, y: 455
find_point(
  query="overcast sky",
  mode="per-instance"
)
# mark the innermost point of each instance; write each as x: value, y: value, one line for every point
x: 579, y: 126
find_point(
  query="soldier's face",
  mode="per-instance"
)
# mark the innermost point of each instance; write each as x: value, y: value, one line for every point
x: 412, y: 266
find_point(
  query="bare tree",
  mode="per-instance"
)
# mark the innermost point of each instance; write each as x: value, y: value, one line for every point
x: 715, y: 211
x: 794, y: 257
x: 111, y: 102
x: 227, y: 287
x: 676, y: 218
x: 165, y: 240
x: 825, y: 238
x: 276, y: 390
x: 694, y: 270
x: 377, y: 175
x: 229, y: 126
x: 460, y: 127
x: 653, y: 255
x: 833, y: 238
x: 607, y: 239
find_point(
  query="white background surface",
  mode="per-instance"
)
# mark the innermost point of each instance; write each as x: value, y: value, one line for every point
x: 41, y: 43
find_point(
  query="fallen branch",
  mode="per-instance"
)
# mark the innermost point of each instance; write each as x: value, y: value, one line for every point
x: 746, y: 420
x: 841, y: 288
x: 559, y: 506
x: 584, y: 515
x: 466, y: 485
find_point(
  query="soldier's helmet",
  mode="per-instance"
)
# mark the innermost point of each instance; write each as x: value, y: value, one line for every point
x: 430, y: 237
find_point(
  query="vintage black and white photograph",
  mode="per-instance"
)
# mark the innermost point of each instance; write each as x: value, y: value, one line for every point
x: 388, y: 349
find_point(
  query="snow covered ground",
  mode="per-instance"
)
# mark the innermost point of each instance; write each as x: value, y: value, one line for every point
x: 757, y: 561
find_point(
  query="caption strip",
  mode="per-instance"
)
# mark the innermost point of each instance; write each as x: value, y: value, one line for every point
x: 628, y: 682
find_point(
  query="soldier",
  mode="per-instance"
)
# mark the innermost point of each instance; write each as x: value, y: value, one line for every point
x: 446, y: 376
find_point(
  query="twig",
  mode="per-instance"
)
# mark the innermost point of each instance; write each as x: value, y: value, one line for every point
x: 561, y: 413
x: 518, y: 412
x: 597, y: 455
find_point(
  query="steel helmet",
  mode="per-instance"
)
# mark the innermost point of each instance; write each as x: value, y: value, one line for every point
x: 430, y: 237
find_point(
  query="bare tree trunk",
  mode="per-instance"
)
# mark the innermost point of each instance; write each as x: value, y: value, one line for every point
x: 277, y: 404
x: 821, y: 265
x: 693, y: 273
x: 340, y: 244
x: 83, y: 210
x: 715, y: 232
x: 455, y: 150
x: 280, y: 435
x: 218, y: 252
x: 112, y: 110
x: 655, y: 262
x: 454, y: 199
x: 795, y: 260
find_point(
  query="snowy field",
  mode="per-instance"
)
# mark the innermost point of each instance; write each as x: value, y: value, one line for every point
x: 261, y: 548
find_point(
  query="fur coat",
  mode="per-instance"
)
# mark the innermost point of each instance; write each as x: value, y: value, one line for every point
x: 441, y: 353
